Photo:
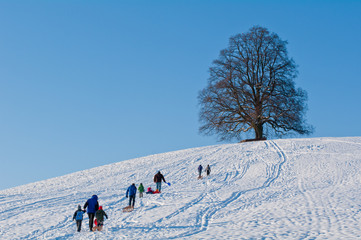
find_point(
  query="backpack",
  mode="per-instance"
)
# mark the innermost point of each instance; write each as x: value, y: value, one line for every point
x: 79, y: 215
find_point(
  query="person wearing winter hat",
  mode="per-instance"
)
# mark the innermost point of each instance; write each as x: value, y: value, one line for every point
x: 100, y: 219
x: 78, y: 216
x: 141, y: 190
x: 149, y: 191
x: 93, y: 205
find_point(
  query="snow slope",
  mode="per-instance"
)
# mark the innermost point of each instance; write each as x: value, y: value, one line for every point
x: 281, y: 189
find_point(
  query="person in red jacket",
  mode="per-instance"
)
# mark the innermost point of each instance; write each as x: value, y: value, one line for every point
x: 158, y: 180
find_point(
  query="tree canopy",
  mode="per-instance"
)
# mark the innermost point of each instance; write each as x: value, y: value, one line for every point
x: 251, y: 87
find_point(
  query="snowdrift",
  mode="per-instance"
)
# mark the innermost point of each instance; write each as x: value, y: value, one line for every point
x: 281, y: 189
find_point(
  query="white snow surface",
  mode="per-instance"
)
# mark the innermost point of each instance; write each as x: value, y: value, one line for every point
x: 277, y: 189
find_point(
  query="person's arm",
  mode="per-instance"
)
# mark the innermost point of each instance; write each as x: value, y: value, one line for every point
x: 126, y: 194
x: 74, y: 215
x: 163, y: 179
x: 85, y: 205
x: 106, y: 215
x: 97, y: 206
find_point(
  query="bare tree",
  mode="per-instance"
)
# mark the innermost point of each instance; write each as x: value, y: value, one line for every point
x: 251, y: 86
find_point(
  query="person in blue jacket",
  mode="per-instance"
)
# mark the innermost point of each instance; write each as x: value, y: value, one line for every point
x: 93, y: 205
x: 78, y: 216
x: 131, y: 192
x: 200, y: 171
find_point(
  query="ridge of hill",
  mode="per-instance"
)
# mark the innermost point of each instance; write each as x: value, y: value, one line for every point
x: 275, y: 189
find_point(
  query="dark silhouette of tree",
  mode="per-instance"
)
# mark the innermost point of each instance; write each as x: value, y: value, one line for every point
x: 251, y: 86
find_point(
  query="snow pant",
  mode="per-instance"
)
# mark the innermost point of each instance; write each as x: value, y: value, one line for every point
x: 78, y: 225
x: 208, y: 172
x: 140, y: 194
x: 200, y: 172
x: 132, y: 200
x: 91, y: 220
x: 159, y: 186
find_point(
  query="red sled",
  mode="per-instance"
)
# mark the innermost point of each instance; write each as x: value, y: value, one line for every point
x: 96, y: 227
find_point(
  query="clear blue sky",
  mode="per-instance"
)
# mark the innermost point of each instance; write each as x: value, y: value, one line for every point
x: 88, y: 83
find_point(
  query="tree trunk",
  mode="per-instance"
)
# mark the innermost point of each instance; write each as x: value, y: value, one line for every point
x: 258, y: 128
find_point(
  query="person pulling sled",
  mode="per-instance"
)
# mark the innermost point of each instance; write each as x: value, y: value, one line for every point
x: 100, y: 214
x: 200, y: 171
x: 131, y: 193
x: 158, y: 181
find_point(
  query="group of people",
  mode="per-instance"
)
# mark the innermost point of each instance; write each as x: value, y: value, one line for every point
x: 207, y: 170
x: 132, y: 190
x: 94, y: 210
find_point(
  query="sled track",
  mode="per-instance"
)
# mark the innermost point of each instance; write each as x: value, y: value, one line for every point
x: 184, y: 208
x: 275, y: 169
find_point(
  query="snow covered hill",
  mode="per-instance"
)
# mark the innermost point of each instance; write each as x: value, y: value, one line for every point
x: 281, y: 189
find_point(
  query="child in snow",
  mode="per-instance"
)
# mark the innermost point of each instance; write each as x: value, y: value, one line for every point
x: 100, y: 219
x: 78, y: 216
x: 149, y: 191
x: 141, y: 190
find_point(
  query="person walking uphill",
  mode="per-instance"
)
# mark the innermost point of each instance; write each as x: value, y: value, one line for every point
x: 78, y: 216
x: 93, y: 206
x: 200, y: 171
x: 100, y: 219
x: 141, y: 190
x: 208, y: 169
x: 158, y: 180
x: 131, y: 191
